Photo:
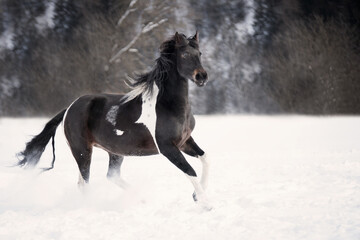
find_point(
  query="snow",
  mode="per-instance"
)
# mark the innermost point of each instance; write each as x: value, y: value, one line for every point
x: 246, y: 28
x: 47, y: 19
x: 270, y: 178
x: 6, y: 40
x: 250, y: 71
x: 8, y: 86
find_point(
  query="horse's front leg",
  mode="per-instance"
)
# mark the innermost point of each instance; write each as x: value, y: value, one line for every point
x: 192, y: 149
x: 170, y: 151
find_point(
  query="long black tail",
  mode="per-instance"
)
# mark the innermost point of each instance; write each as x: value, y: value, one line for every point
x: 34, y: 149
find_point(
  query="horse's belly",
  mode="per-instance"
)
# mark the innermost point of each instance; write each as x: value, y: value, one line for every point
x: 134, y: 141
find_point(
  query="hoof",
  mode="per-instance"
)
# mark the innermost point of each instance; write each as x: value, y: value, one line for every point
x: 194, y: 197
x: 202, y: 201
x: 204, y: 205
x: 207, y: 208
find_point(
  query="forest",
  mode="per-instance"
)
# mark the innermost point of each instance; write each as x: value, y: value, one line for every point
x: 262, y: 56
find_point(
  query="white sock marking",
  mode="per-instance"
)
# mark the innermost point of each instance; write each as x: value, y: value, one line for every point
x: 205, y: 171
x: 198, y: 188
x: 200, y: 193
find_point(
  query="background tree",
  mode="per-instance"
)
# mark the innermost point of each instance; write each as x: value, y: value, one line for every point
x: 262, y: 56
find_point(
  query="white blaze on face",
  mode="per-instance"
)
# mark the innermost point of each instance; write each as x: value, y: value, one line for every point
x: 148, y: 111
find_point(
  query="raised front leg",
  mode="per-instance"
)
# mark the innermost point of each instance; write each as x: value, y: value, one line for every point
x: 171, y: 152
x: 191, y: 148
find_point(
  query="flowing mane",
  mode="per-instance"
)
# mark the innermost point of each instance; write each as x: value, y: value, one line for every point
x: 143, y: 83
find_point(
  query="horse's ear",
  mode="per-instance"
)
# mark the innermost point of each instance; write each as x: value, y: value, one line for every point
x: 196, y: 36
x: 180, y: 40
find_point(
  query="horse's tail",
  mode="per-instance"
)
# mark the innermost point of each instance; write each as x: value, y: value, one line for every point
x: 34, y: 149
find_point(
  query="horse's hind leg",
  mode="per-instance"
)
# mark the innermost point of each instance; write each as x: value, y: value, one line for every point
x: 113, y: 173
x: 82, y: 154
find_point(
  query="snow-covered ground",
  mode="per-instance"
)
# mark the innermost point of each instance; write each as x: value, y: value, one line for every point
x: 271, y: 178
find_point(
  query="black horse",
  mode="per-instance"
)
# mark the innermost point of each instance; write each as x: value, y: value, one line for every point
x: 155, y: 117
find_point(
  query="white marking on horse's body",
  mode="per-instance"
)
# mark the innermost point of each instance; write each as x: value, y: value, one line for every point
x: 111, y: 115
x: 148, y: 111
x: 118, y: 132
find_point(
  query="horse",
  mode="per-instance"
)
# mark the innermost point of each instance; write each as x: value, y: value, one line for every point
x: 155, y: 117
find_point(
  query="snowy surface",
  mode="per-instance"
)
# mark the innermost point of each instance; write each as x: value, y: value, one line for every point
x: 47, y: 19
x: 271, y: 178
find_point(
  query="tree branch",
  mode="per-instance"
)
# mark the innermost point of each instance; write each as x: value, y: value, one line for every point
x: 148, y: 27
x: 128, y: 11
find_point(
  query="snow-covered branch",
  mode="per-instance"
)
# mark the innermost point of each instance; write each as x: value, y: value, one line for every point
x: 127, y: 47
x: 148, y: 27
x: 128, y: 11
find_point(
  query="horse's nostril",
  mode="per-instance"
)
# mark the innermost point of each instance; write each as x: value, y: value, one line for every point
x: 198, y: 76
x: 205, y: 75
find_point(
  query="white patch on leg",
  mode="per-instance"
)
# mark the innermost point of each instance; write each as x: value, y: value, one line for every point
x: 111, y: 115
x: 148, y: 111
x: 198, y: 188
x: 205, y: 171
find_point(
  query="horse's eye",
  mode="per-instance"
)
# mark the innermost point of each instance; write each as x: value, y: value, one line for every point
x: 184, y: 55
x: 200, y: 53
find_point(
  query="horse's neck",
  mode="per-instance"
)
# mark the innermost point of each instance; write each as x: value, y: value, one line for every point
x: 177, y: 87
x: 175, y: 95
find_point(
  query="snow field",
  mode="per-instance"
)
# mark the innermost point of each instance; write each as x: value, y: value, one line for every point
x: 271, y: 178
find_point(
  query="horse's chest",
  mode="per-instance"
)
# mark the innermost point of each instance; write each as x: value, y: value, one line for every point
x: 148, y: 112
x: 172, y: 125
x: 186, y: 133
x: 183, y: 132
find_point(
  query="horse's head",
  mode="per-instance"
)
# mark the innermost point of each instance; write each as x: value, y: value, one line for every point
x: 188, y: 58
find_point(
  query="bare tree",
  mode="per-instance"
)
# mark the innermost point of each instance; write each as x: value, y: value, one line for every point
x: 104, y: 46
x: 313, y: 68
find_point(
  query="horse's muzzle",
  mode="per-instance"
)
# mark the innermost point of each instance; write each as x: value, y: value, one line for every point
x: 200, y: 77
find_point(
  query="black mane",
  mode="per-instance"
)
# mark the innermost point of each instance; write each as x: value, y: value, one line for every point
x: 144, y: 83
x: 160, y: 71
